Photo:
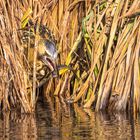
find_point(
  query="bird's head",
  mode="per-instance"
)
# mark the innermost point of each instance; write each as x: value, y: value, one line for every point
x: 48, y: 53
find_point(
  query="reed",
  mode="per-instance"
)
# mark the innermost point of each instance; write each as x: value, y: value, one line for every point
x: 98, y: 41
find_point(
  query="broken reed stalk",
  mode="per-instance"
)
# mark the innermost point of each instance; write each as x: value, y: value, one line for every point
x: 99, y: 40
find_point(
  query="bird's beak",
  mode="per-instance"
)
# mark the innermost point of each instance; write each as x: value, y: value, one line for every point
x: 51, y: 64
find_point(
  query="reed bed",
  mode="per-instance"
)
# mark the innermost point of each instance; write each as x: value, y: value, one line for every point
x: 98, y: 41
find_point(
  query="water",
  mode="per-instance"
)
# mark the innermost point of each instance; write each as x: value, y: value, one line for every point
x: 56, y: 120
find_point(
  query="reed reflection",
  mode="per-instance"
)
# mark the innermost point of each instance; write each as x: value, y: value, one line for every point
x: 56, y: 119
x: 17, y: 126
x: 69, y: 121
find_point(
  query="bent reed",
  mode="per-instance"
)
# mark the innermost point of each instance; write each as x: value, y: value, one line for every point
x: 99, y: 53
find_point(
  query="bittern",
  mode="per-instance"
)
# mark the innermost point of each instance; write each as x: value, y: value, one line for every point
x: 46, y: 50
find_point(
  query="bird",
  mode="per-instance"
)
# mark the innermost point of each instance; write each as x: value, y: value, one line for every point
x: 47, y: 52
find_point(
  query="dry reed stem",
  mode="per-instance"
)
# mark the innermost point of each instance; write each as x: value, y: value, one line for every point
x: 99, y: 40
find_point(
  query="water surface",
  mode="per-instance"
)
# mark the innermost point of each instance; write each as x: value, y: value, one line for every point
x: 56, y: 120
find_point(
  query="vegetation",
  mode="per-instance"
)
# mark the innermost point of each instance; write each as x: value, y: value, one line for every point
x: 98, y: 44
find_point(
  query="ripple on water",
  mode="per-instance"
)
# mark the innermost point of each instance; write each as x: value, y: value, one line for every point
x: 55, y: 121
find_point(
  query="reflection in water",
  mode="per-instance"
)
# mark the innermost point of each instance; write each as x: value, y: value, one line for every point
x: 56, y: 120
x: 17, y: 127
